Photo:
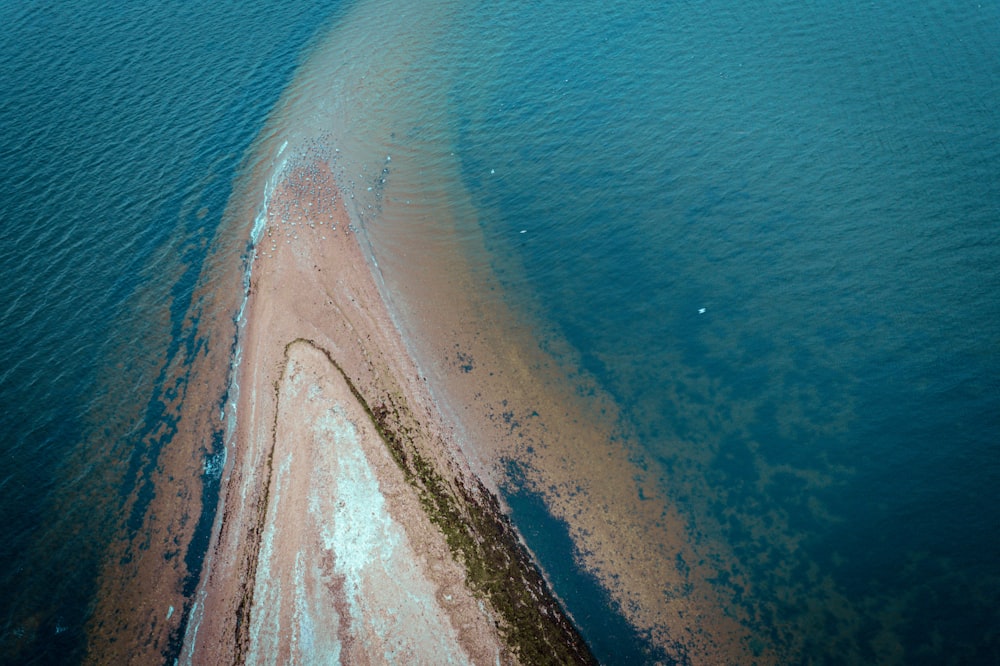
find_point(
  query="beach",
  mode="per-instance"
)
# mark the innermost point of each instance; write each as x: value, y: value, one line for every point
x: 349, y: 521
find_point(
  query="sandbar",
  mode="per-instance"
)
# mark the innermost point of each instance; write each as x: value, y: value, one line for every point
x: 350, y: 528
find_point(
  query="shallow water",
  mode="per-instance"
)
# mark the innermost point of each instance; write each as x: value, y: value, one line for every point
x: 770, y: 236
x: 122, y: 128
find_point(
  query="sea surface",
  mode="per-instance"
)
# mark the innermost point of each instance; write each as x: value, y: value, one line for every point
x: 122, y: 128
x: 770, y: 233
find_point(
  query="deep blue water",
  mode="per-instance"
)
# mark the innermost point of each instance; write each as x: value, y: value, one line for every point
x: 821, y: 179
x: 121, y: 129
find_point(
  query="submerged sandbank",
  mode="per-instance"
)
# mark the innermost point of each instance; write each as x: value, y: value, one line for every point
x: 537, y: 425
x: 350, y: 526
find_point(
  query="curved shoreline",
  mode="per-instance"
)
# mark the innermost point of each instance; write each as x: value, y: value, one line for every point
x: 314, y: 311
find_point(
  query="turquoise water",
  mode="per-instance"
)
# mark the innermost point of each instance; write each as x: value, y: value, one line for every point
x: 821, y: 180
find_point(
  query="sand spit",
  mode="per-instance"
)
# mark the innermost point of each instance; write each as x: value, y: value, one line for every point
x: 350, y: 528
x: 338, y: 576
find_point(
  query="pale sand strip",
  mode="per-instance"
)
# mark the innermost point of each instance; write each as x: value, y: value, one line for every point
x: 328, y: 397
x: 350, y: 568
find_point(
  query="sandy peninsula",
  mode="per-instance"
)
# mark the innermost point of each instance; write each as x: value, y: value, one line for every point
x: 350, y: 528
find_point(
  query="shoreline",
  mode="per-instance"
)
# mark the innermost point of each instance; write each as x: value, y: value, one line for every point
x: 315, y: 312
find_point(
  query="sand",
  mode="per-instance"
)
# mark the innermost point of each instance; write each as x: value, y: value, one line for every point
x: 349, y: 522
x: 327, y: 389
